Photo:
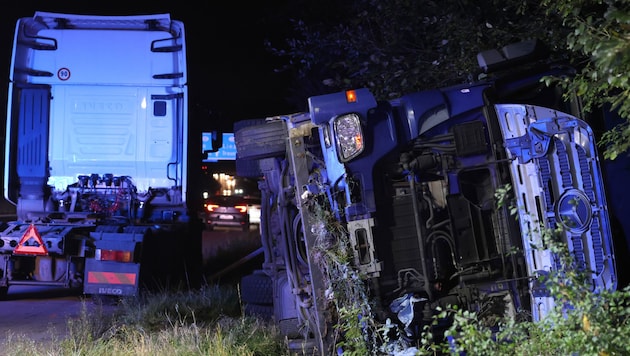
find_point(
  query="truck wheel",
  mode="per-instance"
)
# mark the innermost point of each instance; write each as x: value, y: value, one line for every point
x: 290, y: 328
x: 260, y: 140
x: 263, y: 311
x: 257, y: 288
x: 248, y: 168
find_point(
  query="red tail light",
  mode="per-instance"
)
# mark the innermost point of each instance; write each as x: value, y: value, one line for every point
x: 113, y: 255
x: 211, y: 207
x: 241, y: 208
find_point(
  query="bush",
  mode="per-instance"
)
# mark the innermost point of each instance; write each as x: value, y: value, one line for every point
x: 583, y: 321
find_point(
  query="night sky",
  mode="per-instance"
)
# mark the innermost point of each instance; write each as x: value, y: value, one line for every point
x: 230, y: 74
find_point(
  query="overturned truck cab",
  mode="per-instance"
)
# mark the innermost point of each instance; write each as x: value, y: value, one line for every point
x: 406, y: 190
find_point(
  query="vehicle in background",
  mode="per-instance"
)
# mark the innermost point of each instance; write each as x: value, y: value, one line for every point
x: 404, y: 191
x: 253, y: 209
x: 98, y: 156
x: 227, y: 211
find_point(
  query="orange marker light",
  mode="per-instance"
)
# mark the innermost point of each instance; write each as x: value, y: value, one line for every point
x: 358, y: 140
x: 351, y: 96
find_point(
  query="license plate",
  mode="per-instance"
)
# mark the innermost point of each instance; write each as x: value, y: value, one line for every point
x: 226, y: 217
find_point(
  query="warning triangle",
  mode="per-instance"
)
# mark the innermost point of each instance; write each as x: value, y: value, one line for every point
x: 36, y: 247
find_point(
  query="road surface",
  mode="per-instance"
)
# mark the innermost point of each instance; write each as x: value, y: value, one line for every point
x: 42, y: 313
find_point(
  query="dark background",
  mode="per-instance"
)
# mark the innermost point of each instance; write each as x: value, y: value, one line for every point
x: 230, y: 73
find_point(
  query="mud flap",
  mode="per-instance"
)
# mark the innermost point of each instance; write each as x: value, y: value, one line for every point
x: 4, y: 279
x: 111, y: 278
x: 49, y: 269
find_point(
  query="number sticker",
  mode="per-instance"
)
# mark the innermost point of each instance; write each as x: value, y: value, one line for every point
x: 63, y: 74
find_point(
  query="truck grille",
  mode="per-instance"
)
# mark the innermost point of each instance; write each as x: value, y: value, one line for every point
x: 558, y: 183
x: 574, y: 174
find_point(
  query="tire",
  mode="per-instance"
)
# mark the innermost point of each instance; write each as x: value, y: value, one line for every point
x: 261, y: 140
x: 247, y: 123
x: 257, y: 289
x: 261, y: 311
x: 290, y: 328
x: 248, y: 168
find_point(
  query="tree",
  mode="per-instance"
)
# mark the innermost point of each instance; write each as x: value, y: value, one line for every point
x: 399, y: 46
x: 601, y: 33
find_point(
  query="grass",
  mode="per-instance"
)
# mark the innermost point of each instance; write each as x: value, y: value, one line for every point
x: 205, y: 322
x: 208, y: 321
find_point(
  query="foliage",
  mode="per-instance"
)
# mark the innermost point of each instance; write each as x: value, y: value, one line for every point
x: 583, y: 321
x: 156, y: 311
x: 600, y: 31
x: 505, y: 199
x: 346, y: 292
x: 399, y: 46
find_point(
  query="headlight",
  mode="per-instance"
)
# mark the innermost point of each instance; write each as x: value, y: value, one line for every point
x: 349, y: 136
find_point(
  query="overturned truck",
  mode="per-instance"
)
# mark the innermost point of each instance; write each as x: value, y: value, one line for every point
x: 399, y: 196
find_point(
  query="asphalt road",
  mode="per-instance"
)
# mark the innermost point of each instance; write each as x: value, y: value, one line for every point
x: 42, y: 313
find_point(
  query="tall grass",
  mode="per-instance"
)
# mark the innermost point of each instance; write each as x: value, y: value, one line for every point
x: 205, y: 322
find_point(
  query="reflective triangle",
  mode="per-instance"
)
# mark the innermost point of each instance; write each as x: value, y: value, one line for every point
x: 38, y: 248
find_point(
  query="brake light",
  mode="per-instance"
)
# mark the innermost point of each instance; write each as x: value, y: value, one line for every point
x: 241, y: 208
x: 113, y: 255
x: 211, y: 207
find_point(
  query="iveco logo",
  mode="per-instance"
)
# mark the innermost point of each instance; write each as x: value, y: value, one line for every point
x: 573, y: 210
